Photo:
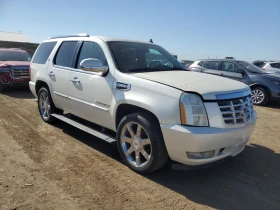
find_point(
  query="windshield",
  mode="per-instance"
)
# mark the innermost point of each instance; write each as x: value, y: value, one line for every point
x: 141, y: 57
x: 14, y: 56
x: 250, y: 67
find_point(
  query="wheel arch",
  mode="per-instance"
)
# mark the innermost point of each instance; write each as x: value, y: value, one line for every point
x: 39, y: 84
x: 263, y: 86
x: 125, y: 109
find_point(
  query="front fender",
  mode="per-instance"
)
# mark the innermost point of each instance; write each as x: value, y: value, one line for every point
x: 165, y: 108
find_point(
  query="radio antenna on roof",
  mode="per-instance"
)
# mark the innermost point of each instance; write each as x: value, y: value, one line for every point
x: 151, y: 41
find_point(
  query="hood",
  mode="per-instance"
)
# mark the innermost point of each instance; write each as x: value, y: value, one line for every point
x: 273, y: 71
x: 14, y: 63
x: 272, y: 76
x: 208, y: 86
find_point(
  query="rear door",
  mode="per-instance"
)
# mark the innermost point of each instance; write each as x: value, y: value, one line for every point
x: 59, y: 74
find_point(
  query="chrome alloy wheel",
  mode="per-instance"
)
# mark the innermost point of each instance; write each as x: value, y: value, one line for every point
x: 257, y: 96
x: 136, y: 144
x: 44, y: 103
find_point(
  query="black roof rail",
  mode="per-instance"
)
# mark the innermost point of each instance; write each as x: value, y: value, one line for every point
x: 14, y: 48
x: 70, y: 35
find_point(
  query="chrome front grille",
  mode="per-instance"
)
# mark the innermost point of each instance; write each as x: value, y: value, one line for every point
x: 20, y: 72
x: 237, y: 111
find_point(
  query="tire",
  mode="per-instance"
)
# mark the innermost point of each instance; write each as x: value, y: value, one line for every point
x: 152, y: 155
x: 260, y: 96
x: 1, y: 86
x: 46, y: 106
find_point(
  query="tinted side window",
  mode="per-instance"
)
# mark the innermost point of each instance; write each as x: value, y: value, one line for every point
x: 65, y: 53
x: 91, y: 50
x: 229, y: 66
x: 200, y: 63
x: 259, y: 64
x: 43, y: 52
x: 278, y: 66
x: 211, y: 65
x: 274, y: 65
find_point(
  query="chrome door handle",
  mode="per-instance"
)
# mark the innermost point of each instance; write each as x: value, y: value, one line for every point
x: 75, y: 79
x: 51, y: 74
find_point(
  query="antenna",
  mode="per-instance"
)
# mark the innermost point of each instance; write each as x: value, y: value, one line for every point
x: 151, y: 41
x: 208, y: 56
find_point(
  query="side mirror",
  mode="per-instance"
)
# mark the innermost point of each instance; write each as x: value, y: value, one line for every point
x: 240, y: 71
x: 93, y: 65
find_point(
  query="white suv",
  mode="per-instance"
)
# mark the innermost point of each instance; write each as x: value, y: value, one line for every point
x: 151, y: 106
x: 272, y: 67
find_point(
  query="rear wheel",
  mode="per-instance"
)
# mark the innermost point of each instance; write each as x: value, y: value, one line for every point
x: 259, y: 96
x: 140, y: 143
x: 45, y: 105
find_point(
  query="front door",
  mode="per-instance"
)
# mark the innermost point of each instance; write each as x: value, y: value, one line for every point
x: 228, y: 69
x: 211, y: 67
x: 91, y: 94
x: 59, y: 74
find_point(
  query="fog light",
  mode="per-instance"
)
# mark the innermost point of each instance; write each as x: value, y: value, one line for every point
x: 200, y: 155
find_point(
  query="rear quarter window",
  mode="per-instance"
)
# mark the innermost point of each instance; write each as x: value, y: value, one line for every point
x: 274, y: 65
x: 259, y: 64
x: 43, y: 52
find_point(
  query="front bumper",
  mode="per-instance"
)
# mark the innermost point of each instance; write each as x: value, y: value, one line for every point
x: 32, y: 88
x: 6, y: 79
x: 181, y: 139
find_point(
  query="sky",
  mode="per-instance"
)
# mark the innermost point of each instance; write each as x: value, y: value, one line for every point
x: 192, y: 29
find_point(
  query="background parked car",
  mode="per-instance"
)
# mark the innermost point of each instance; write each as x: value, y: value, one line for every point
x: 258, y: 63
x: 265, y: 86
x: 14, y: 68
x: 187, y: 63
x: 271, y: 66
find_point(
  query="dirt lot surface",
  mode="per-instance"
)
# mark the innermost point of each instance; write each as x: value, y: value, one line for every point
x: 59, y: 167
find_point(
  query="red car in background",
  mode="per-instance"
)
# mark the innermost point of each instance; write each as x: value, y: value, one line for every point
x: 14, y: 67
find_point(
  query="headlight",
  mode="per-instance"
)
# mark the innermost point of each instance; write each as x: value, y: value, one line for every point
x: 192, y: 110
x: 276, y: 82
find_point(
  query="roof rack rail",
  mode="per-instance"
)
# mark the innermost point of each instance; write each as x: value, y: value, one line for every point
x: 70, y: 35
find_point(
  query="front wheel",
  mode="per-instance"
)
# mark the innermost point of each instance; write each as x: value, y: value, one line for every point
x: 140, y: 143
x: 259, y: 96
x: 1, y: 86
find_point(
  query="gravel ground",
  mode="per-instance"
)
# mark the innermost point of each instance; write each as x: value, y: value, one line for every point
x: 59, y: 167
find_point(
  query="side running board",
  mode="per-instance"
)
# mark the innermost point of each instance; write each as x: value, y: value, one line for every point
x: 85, y: 128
